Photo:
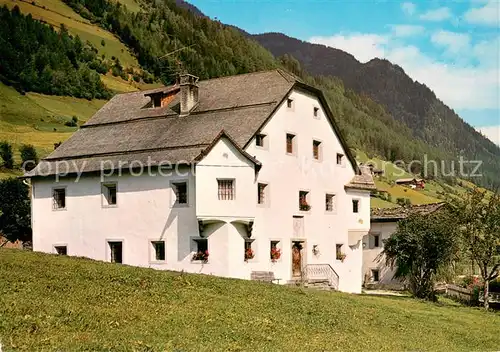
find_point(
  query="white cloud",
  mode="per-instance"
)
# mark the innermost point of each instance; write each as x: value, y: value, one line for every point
x: 492, y: 132
x: 436, y: 15
x: 407, y: 30
x: 363, y: 46
x: 409, y: 8
x: 463, y: 86
x: 452, y: 41
x: 489, y: 14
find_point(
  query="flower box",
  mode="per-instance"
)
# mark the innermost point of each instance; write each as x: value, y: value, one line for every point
x: 202, y: 256
x: 275, y: 254
x: 249, y: 254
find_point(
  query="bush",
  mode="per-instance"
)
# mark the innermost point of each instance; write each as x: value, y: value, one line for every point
x: 72, y: 123
x: 7, y: 155
x: 29, y: 156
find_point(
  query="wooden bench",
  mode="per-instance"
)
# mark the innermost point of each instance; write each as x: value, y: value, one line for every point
x: 266, y: 276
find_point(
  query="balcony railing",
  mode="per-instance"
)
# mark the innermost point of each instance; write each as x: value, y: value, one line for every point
x: 321, y: 272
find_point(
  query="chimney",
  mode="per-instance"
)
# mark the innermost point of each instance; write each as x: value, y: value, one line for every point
x: 189, y: 93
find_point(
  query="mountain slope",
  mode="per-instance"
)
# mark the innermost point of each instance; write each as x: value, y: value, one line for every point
x: 406, y: 100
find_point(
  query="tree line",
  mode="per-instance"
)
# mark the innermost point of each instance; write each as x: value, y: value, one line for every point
x: 34, y: 57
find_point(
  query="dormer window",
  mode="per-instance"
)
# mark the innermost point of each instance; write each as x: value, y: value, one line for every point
x: 156, y: 100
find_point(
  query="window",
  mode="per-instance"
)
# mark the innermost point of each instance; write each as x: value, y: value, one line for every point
x: 275, y: 253
x: 260, y: 140
x: 316, y: 112
x: 340, y: 158
x: 317, y: 150
x: 338, y: 252
x: 61, y: 250
x: 226, y: 189
x: 109, y: 194
x: 375, y: 275
x: 355, y: 205
x: 304, y: 201
x: 158, y: 250
x: 261, y: 193
x: 181, y: 192
x: 290, y: 139
x: 376, y: 241
x: 289, y: 103
x: 200, y: 250
x: 116, y: 251
x: 59, y: 198
x: 249, y: 253
x: 329, y: 199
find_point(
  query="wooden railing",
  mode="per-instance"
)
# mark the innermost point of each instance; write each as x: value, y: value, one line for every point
x: 321, y: 272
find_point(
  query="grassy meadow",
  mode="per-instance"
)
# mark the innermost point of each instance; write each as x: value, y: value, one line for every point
x: 50, y: 302
x: 56, y: 12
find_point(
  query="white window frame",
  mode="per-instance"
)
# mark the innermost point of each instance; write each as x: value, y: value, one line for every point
x: 65, y: 198
x: 108, y: 249
x: 316, y: 112
x: 265, y: 141
x: 194, y: 249
x: 234, y: 189
x: 152, y: 251
x: 294, y: 143
x: 290, y: 103
x: 54, y: 247
x: 342, y: 159
x: 267, y: 198
x: 104, y: 197
x: 334, y: 203
x: 173, y: 197
x: 320, y: 150
x: 308, y: 200
x: 279, y: 246
x: 253, y: 247
x: 359, y: 205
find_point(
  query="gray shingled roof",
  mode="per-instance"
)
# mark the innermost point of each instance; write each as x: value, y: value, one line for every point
x: 126, y: 128
x: 398, y: 213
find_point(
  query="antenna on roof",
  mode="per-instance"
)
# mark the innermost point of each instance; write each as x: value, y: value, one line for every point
x: 179, y: 69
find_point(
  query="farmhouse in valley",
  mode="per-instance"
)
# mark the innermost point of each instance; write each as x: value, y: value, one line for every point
x: 233, y: 177
x: 413, y: 183
x: 384, y: 223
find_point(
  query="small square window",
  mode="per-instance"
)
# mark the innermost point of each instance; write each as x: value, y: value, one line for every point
x: 329, y: 202
x: 61, y: 250
x: 316, y: 150
x: 159, y: 250
x: 289, y: 103
x: 226, y: 189
x: 375, y: 275
x: 340, y: 158
x: 316, y: 111
x: 339, y: 255
x: 260, y: 140
x: 181, y: 192
x: 116, y: 251
x: 200, y: 250
x: 376, y: 241
x: 290, y: 141
x: 304, y: 201
x: 109, y: 191
x: 261, y: 193
x: 355, y: 205
x: 59, y: 198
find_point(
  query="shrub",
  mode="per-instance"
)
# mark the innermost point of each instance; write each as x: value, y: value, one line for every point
x: 7, y: 155
x: 29, y: 156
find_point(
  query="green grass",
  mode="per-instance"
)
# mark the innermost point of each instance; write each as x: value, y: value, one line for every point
x: 32, y: 118
x: 57, y: 12
x: 132, y: 5
x: 73, y: 304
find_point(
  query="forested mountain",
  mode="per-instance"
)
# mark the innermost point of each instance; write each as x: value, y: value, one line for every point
x: 406, y: 100
x: 167, y: 38
x: 34, y: 57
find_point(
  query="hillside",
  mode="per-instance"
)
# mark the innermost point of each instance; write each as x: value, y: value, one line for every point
x: 406, y: 100
x: 61, y: 303
x: 148, y: 31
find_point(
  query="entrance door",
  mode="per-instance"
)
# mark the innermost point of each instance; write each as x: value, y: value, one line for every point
x: 297, y: 259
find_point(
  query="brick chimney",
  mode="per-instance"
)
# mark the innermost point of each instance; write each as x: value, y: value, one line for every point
x: 189, y: 93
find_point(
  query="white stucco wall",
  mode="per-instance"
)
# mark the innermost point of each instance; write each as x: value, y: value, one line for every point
x: 373, y: 259
x: 144, y: 211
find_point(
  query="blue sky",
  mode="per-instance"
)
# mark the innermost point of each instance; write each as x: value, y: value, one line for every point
x: 451, y: 46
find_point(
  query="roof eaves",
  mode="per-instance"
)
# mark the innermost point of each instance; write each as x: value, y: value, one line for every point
x: 224, y: 134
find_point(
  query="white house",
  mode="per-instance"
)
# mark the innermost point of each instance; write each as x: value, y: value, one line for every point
x: 228, y: 176
x: 384, y: 222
